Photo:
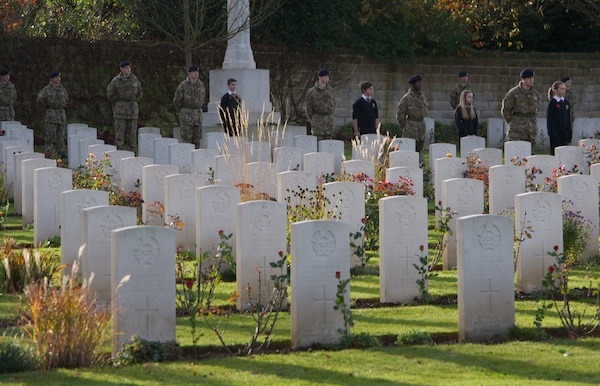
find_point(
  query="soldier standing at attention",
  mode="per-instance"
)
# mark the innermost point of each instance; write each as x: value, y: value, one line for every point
x: 569, y: 96
x: 188, y: 100
x: 462, y: 85
x: 365, y: 114
x: 8, y: 96
x: 54, y: 99
x: 230, y: 104
x: 519, y: 109
x: 320, y: 106
x: 124, y: 92
x: 412, y: 109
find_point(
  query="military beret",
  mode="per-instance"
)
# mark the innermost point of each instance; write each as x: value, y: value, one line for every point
x: 4, y: 71
x: 125, y: 64
x: 463, y: 73
x: 526, y: 73
x: 323, y: 72
x: 192, y: 68
x: 54, y: 74
x: 565, y: 78
x: 414, y: 79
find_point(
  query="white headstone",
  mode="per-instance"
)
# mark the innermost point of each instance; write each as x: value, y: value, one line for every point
x: 506, y: 181
x: 495, y: 132
x: 401, y: 143
x: 215, y: 211
x: 148, y: 129
x: 320, y: 164
x: 261, y: 236
x: 153, y: 191
x: 161, y: 150
x: 405, y: 158
x: 295, y: 186
x: 100, y: 150
x: 413, y: 174
x: 489, y: 155
x: 263, y: 178
x: 335, y: 147
x: 440, y: 150
x: 403, y: 231
x: 429, y: 131
x: 258, y: 151
x: 84, y: 149
x: 73, y: 148
x: 446, y: 168
x: 469, y: 143
x: 132, y: 172
x: 203, y: 162
x: 18, y: 185
x: 542, y: 141
x: 180, y: 203
x: 27, y: 185
x: 306, y: 143
x: 146, y: 144
x: 486, y: 290
x: 143, y: 284
x: 324, y: 248
x: 214, y: 140
x: 114, y: 158
x: 48, y: 184
x: 9, y: 167
x: 180, y: 154
x: 229, y: 169
x: 571, y: 157
x: 22, y: 133
x: 352, y: 167
x: 519, y: 149
x: 287, y: 158
x: 546, y: 164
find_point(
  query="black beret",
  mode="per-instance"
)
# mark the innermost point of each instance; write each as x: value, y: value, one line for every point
x: 192, y: 68
x: 323, y: 72
x: 526, y: 73
x: 414, y: 79
x: 54, y: 74
x: 4, y: 71
x: 565, y: 78
x: 125, y: 64
x: 463, y: 73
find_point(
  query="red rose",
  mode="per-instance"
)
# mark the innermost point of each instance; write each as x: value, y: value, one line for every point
x: 421, y: 248
x: 189, y: 283
x: 551, y: 269
x: 556, y: 248
x: 338, y: 274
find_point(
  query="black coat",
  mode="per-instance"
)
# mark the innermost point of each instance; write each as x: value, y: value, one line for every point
x: 558, y: 123
x: 465, y: 126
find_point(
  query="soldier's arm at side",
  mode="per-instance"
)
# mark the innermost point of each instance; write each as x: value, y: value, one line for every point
x: 453, y: 98
x: 110, y: 92
x: 139, y: 92
x: 178, y: 98
x: 41, y: 98
x: 507, y: 107
x: 310, y: 110
x: 401, y: 113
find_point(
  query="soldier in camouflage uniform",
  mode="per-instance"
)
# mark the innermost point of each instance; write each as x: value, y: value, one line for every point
x: 54, y: 99
x: 188, y: 100
x: 412, y: 109
x: 124, y: 92
x: 519, y: 109
x: 320, y: 106
x: 8, y: 96
x: 569, y: 96
x: 463, y: 84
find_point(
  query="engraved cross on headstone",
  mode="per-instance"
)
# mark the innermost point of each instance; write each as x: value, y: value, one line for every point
x: 489, y: 292
x: 545, y: 259
x: 56, y: 216
x: 325, y: 300
x: 403, y: 268
x: 147, y: 311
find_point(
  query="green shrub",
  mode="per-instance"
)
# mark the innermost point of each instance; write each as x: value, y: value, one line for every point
x: 413, y: 338
x: 15, y: 358
x: 139, y: 350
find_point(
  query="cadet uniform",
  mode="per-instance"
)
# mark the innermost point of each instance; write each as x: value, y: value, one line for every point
x: 458, y: 89
x: 412, y: 109
x: 320, y: 106
x: 8, y: 97
x: 124, y: 92
x: 230, y: 105
x: 570, y: 96
x: 54, y: 99
x: 519, y: 109
x: 188, y: 99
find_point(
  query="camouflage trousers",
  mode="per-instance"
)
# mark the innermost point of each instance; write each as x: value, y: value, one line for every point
x: 523, y: 129
x: 55, y: 134
x: 7, y: 113
x: 190, y: 121
x: 125, y: 134
x: 323, y: 126
x: 416, y: 131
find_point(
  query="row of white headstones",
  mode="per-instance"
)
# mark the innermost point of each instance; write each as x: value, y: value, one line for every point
x: 91, y: 230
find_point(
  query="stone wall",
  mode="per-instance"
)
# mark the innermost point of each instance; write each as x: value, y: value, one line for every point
x: 88, y: 67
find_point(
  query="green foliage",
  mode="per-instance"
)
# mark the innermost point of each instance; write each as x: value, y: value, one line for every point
x: 15, y: 358
x: 52, y: 242
x: 139, y: 350
x: 576, y: 233
x: 342, y: 306
x: 414, y: 338
x: 360, y: 340
x: 424, y: 275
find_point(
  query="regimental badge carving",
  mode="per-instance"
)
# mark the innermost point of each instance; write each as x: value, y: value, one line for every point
x: 146, y: 250
x: 323, y: 243
x: 406, y: 215
x: 509, y: 179
x: 109, y: 223
x: 466, y: 195
x: 85, y: 202
x: 347, y: 198
x: 542, y: 210
x: 160, y: 178
x: 263, y: 221
x: 137, y: 168
x: 186, y: 189
x: 55, y: 181
x: 489, y: 237
x: 581, y: 190
x: 222, y: 202
x: 182, y: 153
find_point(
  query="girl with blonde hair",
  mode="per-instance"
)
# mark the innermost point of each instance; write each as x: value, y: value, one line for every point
x: 558, y: 116
x: 465, y: 115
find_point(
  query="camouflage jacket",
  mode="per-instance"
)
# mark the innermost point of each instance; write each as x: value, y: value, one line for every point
x: 412, y: 107
x: 520, y: 102
x: 455, y: 93
x: 571, y: 98
x: 320, y: 101
x: 189, y: 95
x: 124, y: 93
x: 54, y: 98
x: 8, y: 94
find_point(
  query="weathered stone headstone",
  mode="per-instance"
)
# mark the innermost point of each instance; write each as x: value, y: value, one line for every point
x: 153, y: 191
x: 469, y: 143
x: 132, y: 172
x: 27, y: 185
x: 180, y: 154
x: 180, y: 203
x: 143, y: 284
x: 146, y: 144
x: 582, y: 193
x: 323, y: 246
x: 95, y: 253
x: 405, y: 158
x: 402, y: 240
x: 464, y: 196
x: 506, y: 181
x: 261, y: 237
x: 440, y: 150
x: 335, y: 147
x: 542, y: 211
x: 48, y: 184
x: 414, y: 174
x: 287, y: 158
x: 73, y: 202
x: 512, y: 149
x: 486, y: 293
x: 18, y: 185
